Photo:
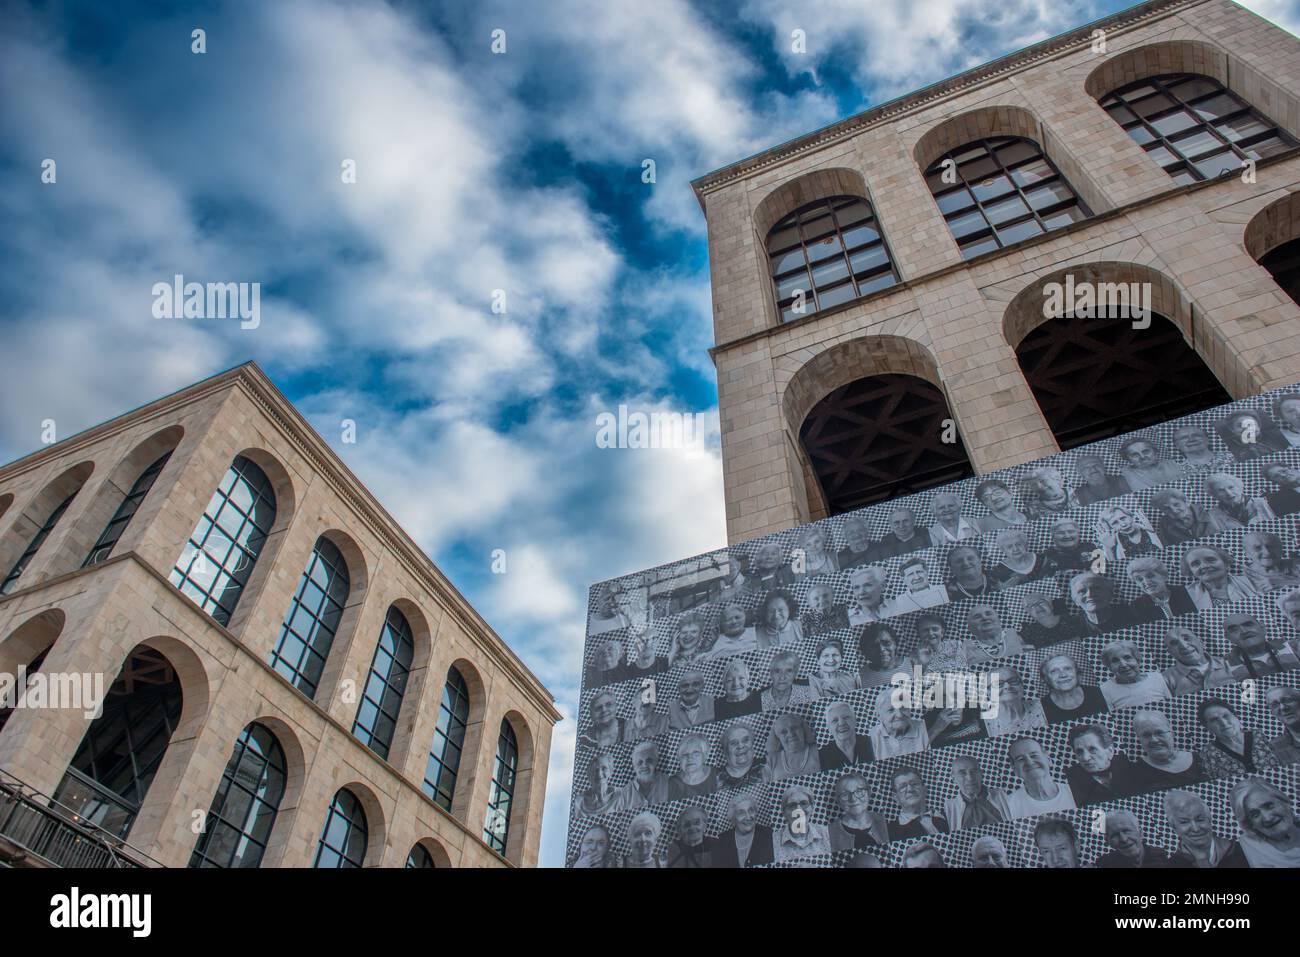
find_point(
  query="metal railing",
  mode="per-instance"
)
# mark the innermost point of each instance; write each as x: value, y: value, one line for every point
x: 40, y: 826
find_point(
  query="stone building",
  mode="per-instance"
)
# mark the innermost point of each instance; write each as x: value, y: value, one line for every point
x: 290, y: 682
x: 879, y: 285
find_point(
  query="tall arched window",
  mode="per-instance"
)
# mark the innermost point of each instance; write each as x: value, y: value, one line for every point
x: 382, y: 700
x: 11, y: 580
x: 448, y: 740
x: 125, y: 512
x: 419, y: 858
x: 345, y: 836
x: 313, y: 618
x: 218, y: 559
x: 1192, y: 126
x: 238, y: 825
x: 30, y: 671
x: 114, y: 766
x: 998, y: 191
x: 496, y: 823
x: 826, y: 253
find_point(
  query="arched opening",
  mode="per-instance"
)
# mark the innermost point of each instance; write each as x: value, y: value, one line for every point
x: 879, y: 437
x: 1272, y: 237
x: 375, y: 725
x: 1095, y: 378
x: 312, y: 620
x: 5, y: 501
x: 218, y: 559
x: 111, y: 772
x: 427, y: 853
x: 443, y: 768
x: 238, y: 827
x: 501, y: 795
x: 122, y: 494
x: 27, y: 647
x: 345, y: 838
x: 36, y: 522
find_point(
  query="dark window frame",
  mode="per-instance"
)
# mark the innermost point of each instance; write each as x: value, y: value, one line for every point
x: 345, y: 808
x: 112, y: 532
x: 1182, y: 167
x: 860, y: 284
x: 256, y: 750
x: 505, y: 770
x: 986, y: 153
x: 385, y: 682
x: 222, y: 527
x: 35, y: 544
x: 321, y: 597
x: 443, y: 768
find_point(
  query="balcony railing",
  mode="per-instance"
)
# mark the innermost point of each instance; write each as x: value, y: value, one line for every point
x: 43, y: 833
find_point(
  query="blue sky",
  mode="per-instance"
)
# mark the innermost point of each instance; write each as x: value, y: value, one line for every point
x: 476, y: 171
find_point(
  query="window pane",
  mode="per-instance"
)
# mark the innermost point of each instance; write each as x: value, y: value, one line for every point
x: 953, y: 201
x: 1013, y: 234
x: 877, y: 282
x: 1064, y: 217
x: 1196, y: 143
x: 1151, y: 105
x: 1193, y: 87
x: 992, y: 187
x: 1174, y: 122
x: 836, y: 295
x: 1032, y: 173
x: 1241, y: 127
x: 784, y: 262
x: 967, y: 223
x: 831, y: 271
x: 1005, y: 210
x: 1212, y: 166
x: 824, y: 249
x: 868, y: 260
x: 1017, y: 152
x: 1049, y: 195
x: 1121, y: 114
x: 979, y: 246
x: 1214, y: 107
x: 860, y: 236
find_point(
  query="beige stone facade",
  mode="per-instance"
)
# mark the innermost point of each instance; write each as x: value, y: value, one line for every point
x: 956, y: 322
x: 95, y: 616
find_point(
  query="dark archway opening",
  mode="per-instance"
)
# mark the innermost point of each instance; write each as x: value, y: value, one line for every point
x: 1283, y: 264
x: 880, y: 437
x: 110, y: 774
x: 1098, y: 378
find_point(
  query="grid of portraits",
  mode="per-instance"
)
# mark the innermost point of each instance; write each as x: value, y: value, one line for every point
x: 692, y: 667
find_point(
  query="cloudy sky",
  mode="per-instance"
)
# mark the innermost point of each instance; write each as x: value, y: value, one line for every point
x: 475, y: 171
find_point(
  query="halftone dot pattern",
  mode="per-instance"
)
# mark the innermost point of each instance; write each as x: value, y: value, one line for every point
x: 682, y: 598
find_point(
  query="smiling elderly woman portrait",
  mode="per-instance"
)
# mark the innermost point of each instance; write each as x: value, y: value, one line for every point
x: 857, y: 826
x: 1269, y: 835
x: 642, y: 839
x: 1198, y: 844
x: 1208, y: 569
x: 694, y: 776
x: 831, y: 678
x: 792, y: 747
x: 778, y: 620
x: 737, y: 700
x: 741, y: 764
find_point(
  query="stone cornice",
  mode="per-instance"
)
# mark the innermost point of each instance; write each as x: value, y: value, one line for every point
x: 262, y: 392
x: 927, y: 95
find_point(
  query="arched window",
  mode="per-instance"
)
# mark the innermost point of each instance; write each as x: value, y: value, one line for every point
x: 218, y: 559
x: 30, y: 671
x: 1192, y: 126
x: 313, y: 618
x: 448, y: 740
x: 826, y: 253
x: 116, y: 762
x: 238, y: 825
x: 11, y: 580
x: 419, y: 858
x: 496, y: 824
x: 343, y: 841
x: 125, y: 512
x: 999, y: 191
x: 382, y: 701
